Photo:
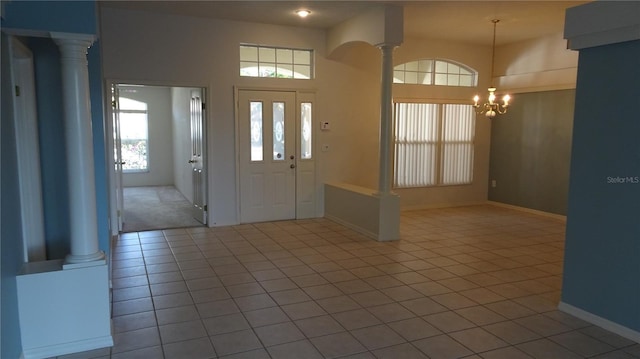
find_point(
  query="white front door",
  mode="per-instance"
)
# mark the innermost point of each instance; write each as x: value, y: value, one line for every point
x: 199, y: 208
x: 267, y: 140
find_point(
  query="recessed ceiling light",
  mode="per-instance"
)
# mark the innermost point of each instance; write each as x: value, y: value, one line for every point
x: 303, y: 13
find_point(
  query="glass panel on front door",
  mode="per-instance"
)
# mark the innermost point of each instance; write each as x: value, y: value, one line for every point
x: 278, y: 131
x: 305, y: 128
x: 256, y: 130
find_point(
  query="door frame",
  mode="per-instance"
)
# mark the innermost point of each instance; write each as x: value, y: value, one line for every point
x: 301, y: 95
x: 28, y: 150
x: 108, y: 125
x: 117, y: 159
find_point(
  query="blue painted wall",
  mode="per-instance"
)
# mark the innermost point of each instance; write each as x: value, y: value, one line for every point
x: 11, y: 249
x: 55, y: 194
x: 602, y: 255
x: 63, y: 16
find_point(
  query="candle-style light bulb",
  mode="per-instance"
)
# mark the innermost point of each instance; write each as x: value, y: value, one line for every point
x: 476, y: 98
x: 506, y: 99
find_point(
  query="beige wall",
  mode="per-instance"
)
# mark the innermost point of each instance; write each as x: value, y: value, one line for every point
x: 188, y: 51
x: 197, y: 52
x: 541, y: 64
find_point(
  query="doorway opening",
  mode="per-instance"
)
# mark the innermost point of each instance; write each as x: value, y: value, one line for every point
x: 158, y: 139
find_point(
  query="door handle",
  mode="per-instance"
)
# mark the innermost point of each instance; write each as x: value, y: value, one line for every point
x: 292, y: 166
x: 192, y: 161
x: 122, y: 163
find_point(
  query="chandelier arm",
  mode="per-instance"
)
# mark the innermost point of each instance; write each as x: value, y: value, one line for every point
x: 501, y: 109
x: 483, y: 109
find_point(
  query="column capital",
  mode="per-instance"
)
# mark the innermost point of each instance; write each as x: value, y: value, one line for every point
x: 73, y: 39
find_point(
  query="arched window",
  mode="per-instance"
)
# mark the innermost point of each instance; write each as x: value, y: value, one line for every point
x: 435, y: 72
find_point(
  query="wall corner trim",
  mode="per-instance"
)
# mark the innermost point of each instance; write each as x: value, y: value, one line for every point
x: 602, y: 23
x: 600, y: 322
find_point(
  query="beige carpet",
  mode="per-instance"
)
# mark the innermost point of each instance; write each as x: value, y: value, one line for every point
x: 156, y: 207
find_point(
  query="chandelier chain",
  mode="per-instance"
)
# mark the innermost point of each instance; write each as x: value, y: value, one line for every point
x: 493, y: 48
x: 491, y: 107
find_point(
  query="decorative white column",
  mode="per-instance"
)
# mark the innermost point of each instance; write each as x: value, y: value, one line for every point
x: 79, y: 143
x: 386, y: 119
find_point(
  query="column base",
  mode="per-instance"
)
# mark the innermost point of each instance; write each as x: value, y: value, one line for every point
x: 388, y: 217
x: 74, y: 260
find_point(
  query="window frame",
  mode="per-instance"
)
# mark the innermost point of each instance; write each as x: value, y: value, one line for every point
x: 131, y: 111
x: 277, y: 64
x: 439, y: 155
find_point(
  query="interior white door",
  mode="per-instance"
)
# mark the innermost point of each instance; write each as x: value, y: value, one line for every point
x: 267, y: 154
x: 117, y: 156
x: 197, y: 160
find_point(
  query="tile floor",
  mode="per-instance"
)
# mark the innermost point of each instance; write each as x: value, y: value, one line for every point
x: 471, y: 282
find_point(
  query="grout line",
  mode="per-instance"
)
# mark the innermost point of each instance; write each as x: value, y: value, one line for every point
x: 504, y: 234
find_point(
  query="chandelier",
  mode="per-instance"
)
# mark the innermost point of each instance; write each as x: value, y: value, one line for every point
x: 491, y: 108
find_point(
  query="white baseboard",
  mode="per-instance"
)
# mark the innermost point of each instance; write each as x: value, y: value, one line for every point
x: 601, y: 322
x: 68, y: 348
x: 529, y: 210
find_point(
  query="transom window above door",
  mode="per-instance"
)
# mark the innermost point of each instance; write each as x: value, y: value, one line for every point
x: 276, y: 62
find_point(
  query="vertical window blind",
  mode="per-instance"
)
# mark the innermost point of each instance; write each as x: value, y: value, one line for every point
x: 433, y: 144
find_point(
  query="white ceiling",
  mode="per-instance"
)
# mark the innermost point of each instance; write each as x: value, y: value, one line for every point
x: 463, y: 21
